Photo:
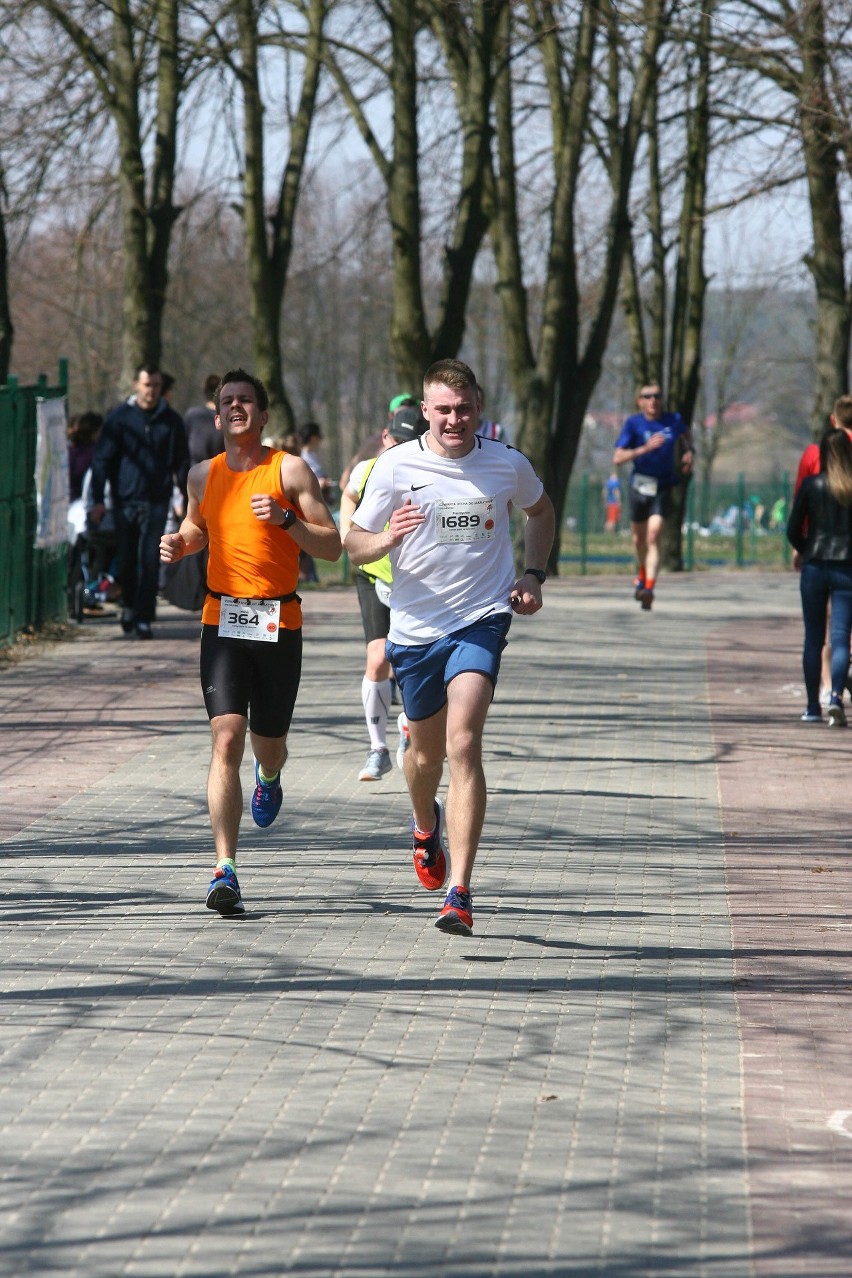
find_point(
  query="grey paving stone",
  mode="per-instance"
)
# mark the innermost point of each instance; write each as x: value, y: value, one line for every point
x: 330, y: 1086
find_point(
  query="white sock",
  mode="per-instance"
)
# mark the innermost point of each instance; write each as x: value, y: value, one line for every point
x: 377, y: 701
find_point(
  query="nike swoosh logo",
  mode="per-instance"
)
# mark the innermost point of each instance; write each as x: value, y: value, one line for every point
x: 414, y: 487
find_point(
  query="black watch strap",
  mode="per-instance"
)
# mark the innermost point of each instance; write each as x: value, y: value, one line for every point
x: 540, y: 576
x: 290, y: 518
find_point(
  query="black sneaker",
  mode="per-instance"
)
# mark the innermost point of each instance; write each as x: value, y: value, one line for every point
x: 143, y: 630
x: 127, y: 620
x: 646, y: 598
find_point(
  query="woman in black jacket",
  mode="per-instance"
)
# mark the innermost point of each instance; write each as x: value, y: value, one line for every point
x: 820, y: 528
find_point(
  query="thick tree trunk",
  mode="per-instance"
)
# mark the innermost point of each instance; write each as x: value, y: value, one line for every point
x: 687, y: 323
x: 266, y: 344
x: 162, y: 213
x: 553, y: 385
x: 7, y: 331
x: 826, y: 262
x: 269, y: 242
x: 410, y: 344
x: 134, y: 219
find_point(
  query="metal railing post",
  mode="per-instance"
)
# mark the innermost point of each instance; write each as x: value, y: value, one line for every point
x: 584, y: 522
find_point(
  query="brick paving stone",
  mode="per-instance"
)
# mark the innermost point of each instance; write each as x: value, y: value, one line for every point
x: 331, y: 1086
x: 790, y: 885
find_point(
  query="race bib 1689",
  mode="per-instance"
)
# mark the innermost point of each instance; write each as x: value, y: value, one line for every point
x: 465, y: 520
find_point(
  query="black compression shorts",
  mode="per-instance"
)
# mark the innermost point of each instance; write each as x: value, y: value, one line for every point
x: 375, y: 616
x: 642, y: 508
x: 256, y: 680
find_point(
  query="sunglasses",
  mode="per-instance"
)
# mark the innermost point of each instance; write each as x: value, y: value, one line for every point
x: 651, y: 395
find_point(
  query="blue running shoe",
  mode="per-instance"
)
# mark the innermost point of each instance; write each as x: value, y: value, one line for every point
x: 266, y: 800
x: 224, y: 893
x: 457, y: 915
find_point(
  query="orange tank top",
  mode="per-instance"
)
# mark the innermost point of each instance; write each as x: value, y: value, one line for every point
x: 248, y: 559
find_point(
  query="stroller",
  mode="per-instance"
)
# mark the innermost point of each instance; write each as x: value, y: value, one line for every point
x: 91, y: 583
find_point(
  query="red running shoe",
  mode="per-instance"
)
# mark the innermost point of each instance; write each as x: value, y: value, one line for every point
x: 430, y: 861
x: 457, y: 915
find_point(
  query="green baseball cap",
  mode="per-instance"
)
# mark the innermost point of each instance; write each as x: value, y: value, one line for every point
x: 399, y: 400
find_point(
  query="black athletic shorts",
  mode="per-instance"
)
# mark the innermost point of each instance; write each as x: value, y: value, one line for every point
x: 375, y: 616
x: 642, y: 508
x: 257, y: 680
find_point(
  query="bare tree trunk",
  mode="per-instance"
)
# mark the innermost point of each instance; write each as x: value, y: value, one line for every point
x: 7, y: 331
x: 134, y: 218
x: 553, y: 381
x: 687, y: 324
x: 471, y: 61
x: 787, y: 45
x: 827, y: 262
x: 162, y: 213
x: 467, y: 39
x: 117, y: 73
x: 269, y: 240
x: 410, y: 344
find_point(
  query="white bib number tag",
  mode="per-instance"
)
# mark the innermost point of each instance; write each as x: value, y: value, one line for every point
x: 255, y: 619
x: 645, y: 485
x: 465, y: 520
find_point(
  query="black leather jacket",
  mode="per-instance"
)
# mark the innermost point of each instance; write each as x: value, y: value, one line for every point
x: 819, y: 527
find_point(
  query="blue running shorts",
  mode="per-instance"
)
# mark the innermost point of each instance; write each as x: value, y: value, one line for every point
x: 423, y: 671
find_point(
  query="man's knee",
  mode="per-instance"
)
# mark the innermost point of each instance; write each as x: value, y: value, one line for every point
x: 464, y: 746
x: 229, y: 739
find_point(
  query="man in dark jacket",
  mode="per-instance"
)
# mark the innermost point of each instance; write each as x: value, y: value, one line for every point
x: 142, y: 452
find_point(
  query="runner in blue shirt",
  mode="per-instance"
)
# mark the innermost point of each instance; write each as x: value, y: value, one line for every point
x: 648, y: 439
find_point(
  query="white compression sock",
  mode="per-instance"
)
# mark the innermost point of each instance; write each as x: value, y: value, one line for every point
x: 377, y: 700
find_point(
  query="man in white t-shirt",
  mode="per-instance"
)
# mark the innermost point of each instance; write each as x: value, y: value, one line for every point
x: 440, y: 507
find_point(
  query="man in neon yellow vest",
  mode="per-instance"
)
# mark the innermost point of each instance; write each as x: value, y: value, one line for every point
x: 373, y: 583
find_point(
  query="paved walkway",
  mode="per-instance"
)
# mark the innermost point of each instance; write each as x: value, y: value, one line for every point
x: 639, y: 1065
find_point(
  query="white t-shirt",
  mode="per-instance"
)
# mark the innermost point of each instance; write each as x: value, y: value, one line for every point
x: 458, y: 566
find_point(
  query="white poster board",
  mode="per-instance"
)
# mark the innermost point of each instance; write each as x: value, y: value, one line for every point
x: 51, y: 472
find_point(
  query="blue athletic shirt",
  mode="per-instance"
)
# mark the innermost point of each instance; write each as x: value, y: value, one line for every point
x: 660, y: 463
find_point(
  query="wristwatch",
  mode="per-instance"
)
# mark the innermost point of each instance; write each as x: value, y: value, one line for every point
x: 290, y: 518
x: 541, y: 577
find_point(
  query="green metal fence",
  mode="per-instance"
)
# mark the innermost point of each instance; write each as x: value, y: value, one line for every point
x: 32, y: 581
x: 739, y: 524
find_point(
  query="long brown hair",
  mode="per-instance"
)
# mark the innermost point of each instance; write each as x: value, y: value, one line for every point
x: 835, y: 460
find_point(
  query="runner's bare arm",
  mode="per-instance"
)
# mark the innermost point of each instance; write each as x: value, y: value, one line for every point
x: 364, y: 547
x: 622, y: 455
x: 314, y: 531
x: 348, y: 506
x: 538, y: 541
x: 192, y: 534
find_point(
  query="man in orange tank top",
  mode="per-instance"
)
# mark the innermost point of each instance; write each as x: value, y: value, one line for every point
x: 255, y: 508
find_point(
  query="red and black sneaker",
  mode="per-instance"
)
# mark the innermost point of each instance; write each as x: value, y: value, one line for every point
x: 457, y: 915
x: 430, y: 861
